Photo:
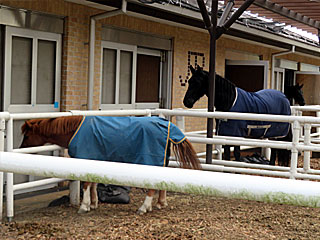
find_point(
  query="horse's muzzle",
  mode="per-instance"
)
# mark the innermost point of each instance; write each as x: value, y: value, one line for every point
x: 187, y: 102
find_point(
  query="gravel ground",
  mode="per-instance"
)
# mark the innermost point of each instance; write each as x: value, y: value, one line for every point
x: 186, y: 217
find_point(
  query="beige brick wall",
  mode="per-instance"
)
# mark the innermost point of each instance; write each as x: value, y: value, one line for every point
x: 75, y: 47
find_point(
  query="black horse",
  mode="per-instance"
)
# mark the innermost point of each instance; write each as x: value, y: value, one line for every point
x: 230, y: 98
x: 292, y: 93
x: 295, y: 93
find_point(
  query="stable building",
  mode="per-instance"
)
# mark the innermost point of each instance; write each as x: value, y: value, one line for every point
x: 62, y: 55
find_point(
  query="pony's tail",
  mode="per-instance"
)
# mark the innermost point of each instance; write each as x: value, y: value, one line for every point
x: 186, y: 155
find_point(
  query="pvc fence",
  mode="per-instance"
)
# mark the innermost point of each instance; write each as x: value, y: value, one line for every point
x: 302, y: 141
x: 299, y: 123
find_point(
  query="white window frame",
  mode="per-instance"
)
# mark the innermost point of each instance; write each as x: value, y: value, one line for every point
x: 10, y: 32
x: 278, y: 82
x: 264, y: 64
x: 135, y: 50
x: 119, y: 47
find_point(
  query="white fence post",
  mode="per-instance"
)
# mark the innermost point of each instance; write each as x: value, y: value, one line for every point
x: 307, y: 141
x: 9, y: 186
x: 318, y: 128
x: 267, y: 153
x: 219, y: 151
x: 180, y: 123
x: 74, y: 186
x: 294, y: 150
x: 2, y: 130
x: 74, y: 192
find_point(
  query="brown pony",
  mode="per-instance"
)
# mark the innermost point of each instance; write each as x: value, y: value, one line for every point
x: 61, y: 131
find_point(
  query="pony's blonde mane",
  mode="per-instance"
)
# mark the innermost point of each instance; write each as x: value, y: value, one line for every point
x: 52, y: 126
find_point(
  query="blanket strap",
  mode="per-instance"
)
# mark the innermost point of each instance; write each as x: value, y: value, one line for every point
x: 266, y: 127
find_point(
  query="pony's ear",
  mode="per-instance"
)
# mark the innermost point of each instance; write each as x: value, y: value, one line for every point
x: 301, y: 86
x: 193, y: 71
x: 29, y: 124
x: 26, y: 126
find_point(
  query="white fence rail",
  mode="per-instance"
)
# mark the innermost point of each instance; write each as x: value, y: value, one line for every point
x: 258, y: 188
x: 301, y: 142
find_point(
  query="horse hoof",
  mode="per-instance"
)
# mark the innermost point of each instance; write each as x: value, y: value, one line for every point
x: 141, y: 212
x: 82, y: 210
x: 161, y: 205
x: 93, y: 206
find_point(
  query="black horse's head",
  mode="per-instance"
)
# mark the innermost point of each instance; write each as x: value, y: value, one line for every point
x: 198, y: 85
x: 295, y: 92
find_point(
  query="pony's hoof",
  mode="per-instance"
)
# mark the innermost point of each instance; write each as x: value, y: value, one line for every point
x: 83, y: 210
x: 141, y: 212
x: 160, y: 205
x: 94, y: 206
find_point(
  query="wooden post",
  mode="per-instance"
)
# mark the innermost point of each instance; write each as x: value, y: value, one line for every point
x: 212, y: 77
x: 216, y: 32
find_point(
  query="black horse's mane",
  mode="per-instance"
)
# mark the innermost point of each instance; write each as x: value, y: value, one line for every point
x: 225, y: 92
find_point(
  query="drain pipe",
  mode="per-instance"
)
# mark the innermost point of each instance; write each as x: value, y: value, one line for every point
x: 267, y: 151
x: 93, y: 20
x: 274, y: 55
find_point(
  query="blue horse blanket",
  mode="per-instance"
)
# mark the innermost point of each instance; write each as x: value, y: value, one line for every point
x: 139, y: 140
x: 267, y: 101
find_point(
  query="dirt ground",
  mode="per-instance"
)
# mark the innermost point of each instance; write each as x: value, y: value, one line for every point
x: 186, y: 217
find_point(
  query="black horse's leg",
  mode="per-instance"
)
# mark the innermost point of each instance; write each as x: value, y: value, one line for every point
x: 284, y: 155
x: 273, y: 156
x: 226, y: 155
x: 236, y: 153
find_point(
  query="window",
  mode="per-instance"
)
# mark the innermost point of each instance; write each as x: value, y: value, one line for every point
x: 131, y: 77
x: 32, y: 70
x: 278, y: 82
x: 250, y: 75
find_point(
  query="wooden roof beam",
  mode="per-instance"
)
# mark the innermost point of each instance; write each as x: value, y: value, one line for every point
x: 234, y: 17
x: 283, y: 11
